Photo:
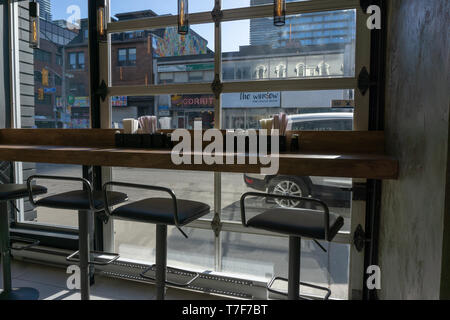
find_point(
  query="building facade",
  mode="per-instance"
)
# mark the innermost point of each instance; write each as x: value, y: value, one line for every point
x: 45, y: 9
x: 61, y: 69
x: 50, y: 77
x: 308, y: 29
x: 244, y: 110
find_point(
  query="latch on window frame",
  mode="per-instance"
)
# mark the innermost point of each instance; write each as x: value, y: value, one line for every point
x: 360, y: 239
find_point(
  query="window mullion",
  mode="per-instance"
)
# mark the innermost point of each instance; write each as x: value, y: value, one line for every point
x: 361, y: 122
x: 239, y: 86
x: 218, y: 125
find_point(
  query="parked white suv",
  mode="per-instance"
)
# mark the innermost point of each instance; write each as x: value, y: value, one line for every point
x: 334, y: 191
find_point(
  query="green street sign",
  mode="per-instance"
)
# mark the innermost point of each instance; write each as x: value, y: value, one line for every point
x: 70, y: 99
x: 201, y: 66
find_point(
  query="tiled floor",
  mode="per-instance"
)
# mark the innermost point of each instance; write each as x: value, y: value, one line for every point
x: 51, y: 283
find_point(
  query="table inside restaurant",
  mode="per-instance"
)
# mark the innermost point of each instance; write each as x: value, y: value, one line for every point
x: 350, y: 154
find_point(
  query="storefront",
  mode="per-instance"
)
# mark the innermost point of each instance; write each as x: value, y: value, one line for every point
x: 79, y: 109
x: 184, y: 109
x: 244, y: 110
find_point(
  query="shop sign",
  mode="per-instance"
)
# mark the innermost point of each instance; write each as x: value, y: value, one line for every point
x: 59, y: 102
x: 81, y: 102
x: 70, y: 99
x: 200, y: 67
x: 192, y: 101
x: 119, y: 101
x: 186, y: 67
x: 252, y: 100
x: 343, y: 103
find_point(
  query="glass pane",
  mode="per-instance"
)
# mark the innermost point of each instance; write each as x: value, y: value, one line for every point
x: 262, y: 257
x: 310, y: 45
x: 63, y: 102
x: 179, y: 110
x: 54, y: 83
x: 144, y: 9
x: 81, y: 60
x: 163, y: 56
x: 232, y: 4
x: 305, y: 110
x: 49, y: 216
x: 137, y: 240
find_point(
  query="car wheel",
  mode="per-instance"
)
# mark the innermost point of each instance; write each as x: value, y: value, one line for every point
x: 289, y: 187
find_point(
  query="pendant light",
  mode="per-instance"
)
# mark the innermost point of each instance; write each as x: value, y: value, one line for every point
x: 34, y: 25
x: 279, y: 12
x: 183, y: 17
x: 101, y: 20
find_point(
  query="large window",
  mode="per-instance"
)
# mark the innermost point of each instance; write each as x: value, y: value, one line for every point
x: 126, y: 57
x: 54, y: 93
x: 76, y: 60
x: 43, y: 56
x: 302, y: 69
x: 157, y: 51
x: 313, y: 57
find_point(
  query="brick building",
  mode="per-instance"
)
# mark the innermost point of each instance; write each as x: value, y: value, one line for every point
x: 77, y: 78
x: 132, y: 55
x: 49, y: 83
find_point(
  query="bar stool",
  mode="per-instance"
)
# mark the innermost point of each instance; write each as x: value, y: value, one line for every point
x: 87, y: 202
x: 162, y: 212
x: 11, y: 192
x: 297, y: 223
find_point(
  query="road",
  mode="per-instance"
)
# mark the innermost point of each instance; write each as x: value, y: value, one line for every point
x: 256, y: 256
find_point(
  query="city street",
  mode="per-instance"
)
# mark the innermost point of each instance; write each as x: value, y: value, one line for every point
x: 251, y: 255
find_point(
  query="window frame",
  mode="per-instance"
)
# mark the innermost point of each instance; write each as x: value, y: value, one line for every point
x: 127, y: 62
x: 78, y: 65
x: 362, y: 58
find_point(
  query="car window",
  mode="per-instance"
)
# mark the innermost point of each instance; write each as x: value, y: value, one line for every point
x: 324, y: 125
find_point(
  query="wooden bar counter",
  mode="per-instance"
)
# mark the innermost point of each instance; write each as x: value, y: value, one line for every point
x: 352, y: 154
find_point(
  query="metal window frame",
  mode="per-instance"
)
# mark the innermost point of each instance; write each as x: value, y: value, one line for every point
x: 52, y: 234
x: 361, y: 121
x: 362, y: 58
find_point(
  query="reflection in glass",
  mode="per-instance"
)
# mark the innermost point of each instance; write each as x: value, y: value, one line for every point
x: 316, y: 45
x: 183, y: 17
x: 101, y: 23
x: 136, y: 240
x: 34, y: 25
x: 261, y: 257
x: 279, y: 13
x: 54, y: 87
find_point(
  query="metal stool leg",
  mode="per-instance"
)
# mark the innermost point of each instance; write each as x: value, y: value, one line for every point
x: 161, y: 260
x: 83, y: 243
x: 294, y: 268
x: 10, y: 293
x: 5, y: 250
x: 91, y: 247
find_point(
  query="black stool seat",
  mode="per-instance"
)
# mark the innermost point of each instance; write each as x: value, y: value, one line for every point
x: 11, y: 191
x: 159, y: 211
x: 297, y: 222
x: 79, y: 200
